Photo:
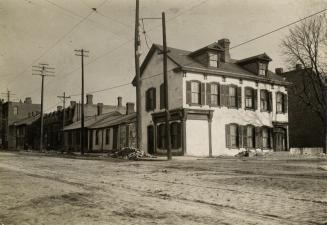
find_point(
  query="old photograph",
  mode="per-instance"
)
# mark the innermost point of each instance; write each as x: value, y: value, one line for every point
x: 168, y: 112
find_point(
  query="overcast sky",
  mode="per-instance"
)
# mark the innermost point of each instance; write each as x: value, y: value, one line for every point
x: 34, y: 31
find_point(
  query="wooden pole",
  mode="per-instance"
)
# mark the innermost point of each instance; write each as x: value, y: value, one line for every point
x: 42, y: 89
x: 138, y: 80
x: 167, y: 119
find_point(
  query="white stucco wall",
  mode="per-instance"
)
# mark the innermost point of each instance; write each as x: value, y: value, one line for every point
x: 152, y: 77
x: 224, y: 115
x: 197, y: 139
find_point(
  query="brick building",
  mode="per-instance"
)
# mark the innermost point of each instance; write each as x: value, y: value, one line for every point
x: 218, y: 105
x: 306, y: 127
x: 53, y: 123
x: 12, y: 112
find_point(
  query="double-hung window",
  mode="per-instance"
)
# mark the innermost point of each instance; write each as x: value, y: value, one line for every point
x: 195, y: 92
x: 214, y: 94
x: 262, y: 69
x: 232, y: 96
x: 279, y: 102
x: 250, y: 136
x: 264, y: 100
x: 249, y: 97
x: 233, y: 135
x: 265, y: 137
x: 213, y: 60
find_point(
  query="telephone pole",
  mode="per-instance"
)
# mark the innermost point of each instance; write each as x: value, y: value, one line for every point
x: 165, y: 51
x: 63, y: 97
x: 137, y: 54
x: 42, y: 70
x: 8, y: 95
x: 83, y: 53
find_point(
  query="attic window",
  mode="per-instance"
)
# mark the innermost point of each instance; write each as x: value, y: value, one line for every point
x: 262, y: 69
x: 213, y: 60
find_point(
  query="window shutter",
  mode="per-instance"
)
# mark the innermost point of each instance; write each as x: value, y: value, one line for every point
x: 188, y: 92
x: 240, y: 136
x: 271, y: 137
x: 227, y: 133
x: 162, y: 96
x: 245, y: 136
x: 255, y: 99
x: 147, y: 100
x: 179, y: 136
x: 224, y: 95
x: 239, y: 97
x: 154, y: 100
x: 285, y: 103
x: 258, y: 137
x: 203, y: 93
x: 218, y: 92
x: 208, y: 94
x: 270, y: 103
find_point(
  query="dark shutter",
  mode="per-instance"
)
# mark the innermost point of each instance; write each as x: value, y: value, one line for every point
x: 162, y: 96
x: 203, y: 93
x: 270, y: 103
x: 258, y: 137
x: 218, y: 92
x: 255, y: 99
x: 239, y: 97
x: 208, y: 94
x: 271, y: 137
x: 240, y: 136
x: 227, y: 133
x: 285, y: 103
x: 147, y: 100
x: 179, y: 136
x: 188, y: 92
x: 245, y: 136
x: 224, y: 95
x: 154, y: 100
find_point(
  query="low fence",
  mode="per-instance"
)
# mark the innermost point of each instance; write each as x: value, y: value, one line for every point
x: 306, y: 151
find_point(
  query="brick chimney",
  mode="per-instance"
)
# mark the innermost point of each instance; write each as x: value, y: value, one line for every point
x: 89, y: 99
x: 59, y: 108
x: 28, y: 100
x: 100, y: 108
x: 129, y: 108
x: 298, y: 67
x: 279, y: 71
x: 120, y: 101
x: 225, y: 43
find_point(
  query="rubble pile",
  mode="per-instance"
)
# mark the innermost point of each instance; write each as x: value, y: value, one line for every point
x: 130, y: 154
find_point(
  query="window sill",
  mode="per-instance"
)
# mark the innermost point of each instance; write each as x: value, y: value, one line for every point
x: 250, y: 109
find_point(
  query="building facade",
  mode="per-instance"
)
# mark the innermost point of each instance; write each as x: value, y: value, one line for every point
x: 306, y: 127
x: 12, y: 112
x: 219, y: 106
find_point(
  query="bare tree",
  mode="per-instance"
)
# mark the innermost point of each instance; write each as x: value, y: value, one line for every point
x: 306, y: 44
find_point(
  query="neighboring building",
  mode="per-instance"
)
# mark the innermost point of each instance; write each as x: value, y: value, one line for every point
x: 219, y: 106
x: 28, y: 132
x: 53, y: 122
x: 107, y: 131
x: 306, y: 127
x: 12, y: 112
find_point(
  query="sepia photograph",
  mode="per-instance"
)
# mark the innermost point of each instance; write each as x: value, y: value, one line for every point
x: 167, y: 112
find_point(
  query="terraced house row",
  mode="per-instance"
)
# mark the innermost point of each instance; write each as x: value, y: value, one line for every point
x: 219, y: 105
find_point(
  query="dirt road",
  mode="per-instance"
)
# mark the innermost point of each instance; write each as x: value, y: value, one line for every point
x: 49, y: 190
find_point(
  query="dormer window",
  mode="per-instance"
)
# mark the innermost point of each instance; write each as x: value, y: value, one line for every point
x: 213, y: 60
x: 262, y: 69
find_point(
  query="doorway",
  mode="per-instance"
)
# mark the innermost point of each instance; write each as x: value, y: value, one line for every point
x: 150, y: 135
x: 280, y: 139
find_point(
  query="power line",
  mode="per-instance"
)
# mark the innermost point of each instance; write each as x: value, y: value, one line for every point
x: 280, y: 28
x: 52, y: 46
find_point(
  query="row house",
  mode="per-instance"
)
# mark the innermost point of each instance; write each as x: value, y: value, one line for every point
x: 53, y: 121
x: 218, y: 105
x: 28, y: 132
x: 11, y: 113
x: 103, y: 132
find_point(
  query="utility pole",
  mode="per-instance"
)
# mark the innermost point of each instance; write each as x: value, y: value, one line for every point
x: 83, y: 53
x: 8, y: 95
x: 165, y: 51
x: 137, y: 54
x: 63, y: 97
x: 42, y: 70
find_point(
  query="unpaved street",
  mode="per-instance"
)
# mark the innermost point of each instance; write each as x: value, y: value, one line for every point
x: 48, y: 190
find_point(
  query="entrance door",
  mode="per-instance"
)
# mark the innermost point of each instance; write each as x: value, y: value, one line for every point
x: 150, y: 139
x: 280, y: 139
x: 115, y: 136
